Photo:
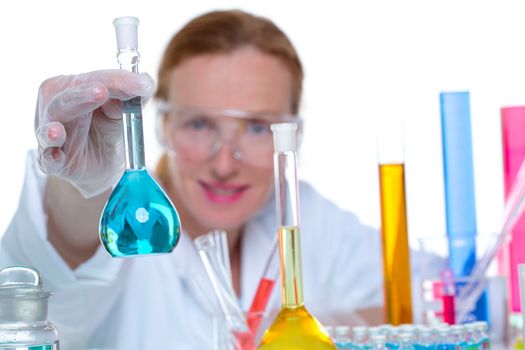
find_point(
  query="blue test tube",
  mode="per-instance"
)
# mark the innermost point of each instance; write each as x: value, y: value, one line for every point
x: 459, y: 187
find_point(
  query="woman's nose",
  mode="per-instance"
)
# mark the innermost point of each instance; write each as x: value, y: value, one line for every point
x: 225, y: 161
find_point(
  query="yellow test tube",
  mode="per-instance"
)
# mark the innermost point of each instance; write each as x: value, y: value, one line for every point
x: 394, y: 232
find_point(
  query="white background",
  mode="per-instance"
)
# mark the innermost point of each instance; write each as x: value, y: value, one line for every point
x: 366, y: 62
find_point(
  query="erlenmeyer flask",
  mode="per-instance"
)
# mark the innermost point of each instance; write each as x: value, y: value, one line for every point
x: 138, y: 218
x: 294, y: 327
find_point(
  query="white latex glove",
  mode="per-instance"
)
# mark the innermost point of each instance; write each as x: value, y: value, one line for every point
x: 78, y: 126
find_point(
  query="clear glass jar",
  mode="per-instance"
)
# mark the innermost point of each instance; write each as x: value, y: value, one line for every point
x: 23, y: 311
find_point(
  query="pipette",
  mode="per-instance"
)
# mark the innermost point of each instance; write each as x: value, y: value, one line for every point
x: 264, y: 289
x: 230, y: 308
x: 221, y: 245
x: 514, y: 207
x: 138, y: 217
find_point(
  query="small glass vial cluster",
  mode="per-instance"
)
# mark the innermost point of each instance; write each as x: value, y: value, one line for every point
x: 471, y: 336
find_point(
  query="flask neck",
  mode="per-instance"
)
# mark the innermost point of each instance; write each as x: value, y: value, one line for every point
x: 133, y: 134
x: 291, y: 267
x: 129, y: 60
x: 286, y: 188
x: 132, y: 115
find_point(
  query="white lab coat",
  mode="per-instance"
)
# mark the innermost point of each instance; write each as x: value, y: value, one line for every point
x: 152, y: 303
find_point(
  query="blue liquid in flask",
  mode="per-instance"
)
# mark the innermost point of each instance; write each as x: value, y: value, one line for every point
x: 139, y: 218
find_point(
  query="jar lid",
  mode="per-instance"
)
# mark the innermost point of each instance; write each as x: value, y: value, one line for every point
x: 22, y: 298
x: 21, y: 281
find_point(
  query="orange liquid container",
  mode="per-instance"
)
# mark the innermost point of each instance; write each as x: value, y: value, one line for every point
x: 394, y: 236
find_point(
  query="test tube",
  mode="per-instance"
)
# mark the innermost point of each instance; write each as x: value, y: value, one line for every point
x: 513, y: 128
x: 221, y: 243
x: 459, y: 187
x: 224, y: 292
x: 264, y: 289
x: 448, y: 297
x: 394, y: 230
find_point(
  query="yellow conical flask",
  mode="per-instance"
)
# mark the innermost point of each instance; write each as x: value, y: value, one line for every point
x: 294, y: 327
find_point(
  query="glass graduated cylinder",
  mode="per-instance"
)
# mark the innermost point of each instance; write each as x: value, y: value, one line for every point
x: 139, y: 218
x: 394, y: 236
x: 294, y: 327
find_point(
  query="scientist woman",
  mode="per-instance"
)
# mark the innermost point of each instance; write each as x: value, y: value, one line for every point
x: 218, y: 63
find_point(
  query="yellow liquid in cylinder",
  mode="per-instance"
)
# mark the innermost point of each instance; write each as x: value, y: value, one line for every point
x: 394, y: 235
x: 294, y: 328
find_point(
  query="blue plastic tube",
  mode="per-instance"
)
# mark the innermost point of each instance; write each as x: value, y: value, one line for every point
x: 459, y: 187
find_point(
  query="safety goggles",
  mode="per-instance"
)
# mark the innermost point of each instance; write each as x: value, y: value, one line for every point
x: 197, y: 134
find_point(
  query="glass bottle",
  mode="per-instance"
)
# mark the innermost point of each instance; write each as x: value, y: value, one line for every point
x: 342, y: 337
x: 458, y: 337
x: 471, y: 337
x: 425, y: 339
x: 406, y: 341
x: 445, y: 339
x: 360, y: 337
x: 483, y: 334
x: 294, y: 327
x: 378, y: 342
x: 23, y: 311
x: 392, y: 336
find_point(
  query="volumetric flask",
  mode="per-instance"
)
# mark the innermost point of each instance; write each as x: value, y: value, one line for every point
x: 294, y: 327
x: 138, y: 218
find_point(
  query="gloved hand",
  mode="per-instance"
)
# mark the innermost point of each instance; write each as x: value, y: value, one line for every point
x: 78, y: 126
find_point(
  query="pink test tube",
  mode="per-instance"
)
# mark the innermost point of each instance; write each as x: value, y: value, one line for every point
x: 264, y: 289
x: 448, y: 296
x: 513, y: 138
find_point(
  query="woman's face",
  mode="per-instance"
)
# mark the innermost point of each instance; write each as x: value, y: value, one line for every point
x: 223, y: 191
